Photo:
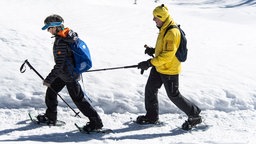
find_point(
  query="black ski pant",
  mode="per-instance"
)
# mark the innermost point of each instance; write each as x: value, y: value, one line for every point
x: 76, y: 94
x: 171, y: 84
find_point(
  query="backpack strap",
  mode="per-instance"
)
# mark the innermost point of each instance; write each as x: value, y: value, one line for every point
x: 170, y: 27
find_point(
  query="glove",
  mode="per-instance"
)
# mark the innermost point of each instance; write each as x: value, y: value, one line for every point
x: 47, y: 81
x: 46, y: 84
x: 149, y: 50
x: 144, y: 65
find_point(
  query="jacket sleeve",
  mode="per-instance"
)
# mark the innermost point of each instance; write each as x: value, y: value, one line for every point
x: 60, y: 53
x: 170, y: 45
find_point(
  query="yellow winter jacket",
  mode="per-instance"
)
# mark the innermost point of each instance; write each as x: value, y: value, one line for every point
x: 165, y: 60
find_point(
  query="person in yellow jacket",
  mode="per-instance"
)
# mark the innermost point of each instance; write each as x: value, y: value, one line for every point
x: 165, y: 70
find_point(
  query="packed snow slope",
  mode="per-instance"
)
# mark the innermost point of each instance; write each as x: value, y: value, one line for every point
x: 219, y: 75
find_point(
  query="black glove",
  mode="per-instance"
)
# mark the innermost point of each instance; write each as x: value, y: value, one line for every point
x: 149, y: 50
x: 144, y: 65
x: 45, y: 83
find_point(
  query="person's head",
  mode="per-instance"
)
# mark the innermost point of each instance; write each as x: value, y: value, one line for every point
x: 160, y: 14
x: 53, y: 24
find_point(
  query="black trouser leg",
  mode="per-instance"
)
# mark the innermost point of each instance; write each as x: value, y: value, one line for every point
x: 51, y: 98
x: 77, y: 95
x: 171, y: 84
x: 151, y: 100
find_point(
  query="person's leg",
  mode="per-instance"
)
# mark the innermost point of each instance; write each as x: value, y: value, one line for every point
x: 171, y: 84
x: 151, y: 94
x: 51, y: 99
x: 151, y: 100
x: 83, y: 105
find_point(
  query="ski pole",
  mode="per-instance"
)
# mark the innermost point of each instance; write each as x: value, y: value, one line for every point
x: 113, y: 68
x: 22, y: 70
x: 31, y: 67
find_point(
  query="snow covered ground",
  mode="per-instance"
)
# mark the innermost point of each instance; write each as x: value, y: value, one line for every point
x: 219, y: 75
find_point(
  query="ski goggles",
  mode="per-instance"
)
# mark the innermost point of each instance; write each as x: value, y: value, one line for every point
x: 51, y: 24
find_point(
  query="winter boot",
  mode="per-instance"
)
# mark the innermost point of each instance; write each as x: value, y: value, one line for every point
x: 94, y: 124
x: 42, y: 118
x: 146, y: 120
x: 191, y: 122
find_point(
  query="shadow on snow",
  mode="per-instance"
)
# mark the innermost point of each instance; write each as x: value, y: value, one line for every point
x: 76, y: 136
x: 72, y: 136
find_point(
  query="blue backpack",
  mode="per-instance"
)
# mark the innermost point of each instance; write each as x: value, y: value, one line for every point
x: 182, y: 51
x: 82, y: 56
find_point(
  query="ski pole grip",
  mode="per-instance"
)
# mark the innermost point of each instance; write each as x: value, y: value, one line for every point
x: 141, y: 72
x: 146, y: 46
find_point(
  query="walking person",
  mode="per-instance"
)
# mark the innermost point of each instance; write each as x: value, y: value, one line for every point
x: 165, y: 70
x: 62, y: 75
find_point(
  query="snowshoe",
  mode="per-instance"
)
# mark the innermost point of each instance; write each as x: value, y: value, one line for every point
x: 90, y: 126
x: 87, y: 130
x: 43, y: 120
x: 145, y: 120
x: 191, y: 122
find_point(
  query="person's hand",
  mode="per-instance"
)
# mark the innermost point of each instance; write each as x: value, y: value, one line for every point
x: 149, y: 50
x: 46, y: 83
x: 144, y: 65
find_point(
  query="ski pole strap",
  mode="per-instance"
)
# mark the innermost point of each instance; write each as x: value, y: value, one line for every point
x: 104, y: 69
x: 23, y: 67
x: 31, y: 67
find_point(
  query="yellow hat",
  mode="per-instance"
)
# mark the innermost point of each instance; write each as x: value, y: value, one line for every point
x: 161, y: 12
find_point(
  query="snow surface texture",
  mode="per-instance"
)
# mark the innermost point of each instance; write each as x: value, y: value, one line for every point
x: 219, y: 75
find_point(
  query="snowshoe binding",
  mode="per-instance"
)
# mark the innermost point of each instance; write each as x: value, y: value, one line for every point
x: 94, y: 124
x: 143, y: 120
x: 191, y: 122
x: 42, y: 118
